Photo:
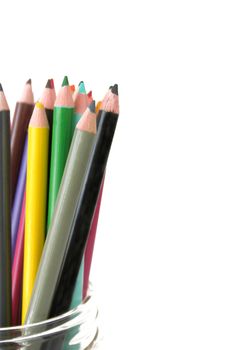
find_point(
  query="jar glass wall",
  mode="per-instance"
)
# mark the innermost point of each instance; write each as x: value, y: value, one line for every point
x: 76, y: 329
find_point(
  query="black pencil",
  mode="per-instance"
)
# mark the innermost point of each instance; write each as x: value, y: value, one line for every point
x: 5, y: 214
x: 85, y: 205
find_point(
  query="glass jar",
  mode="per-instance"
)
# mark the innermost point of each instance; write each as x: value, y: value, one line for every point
x: 75, y: 330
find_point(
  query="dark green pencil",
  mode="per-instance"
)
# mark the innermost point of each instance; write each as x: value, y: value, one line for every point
x: 5, y: 214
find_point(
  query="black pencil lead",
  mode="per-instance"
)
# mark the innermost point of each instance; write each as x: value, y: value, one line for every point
x: 115, y: 89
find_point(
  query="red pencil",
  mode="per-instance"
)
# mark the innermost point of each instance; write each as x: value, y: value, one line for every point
x: 17, y: 270
x: 89, y: 97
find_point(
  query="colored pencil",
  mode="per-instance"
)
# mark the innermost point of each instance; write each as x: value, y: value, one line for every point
x: 18, y: 199
x: 48, y: 99
x: 85, y: 206
x: 72, y: 89
x: 36, y: 195
x: 81, y: 104
x: 53, y: 88
x: 82, y: 101
x: 22, y: 115
x: 88, y: 254
x: 103, y: 103
x: 17, y: 269
x: 58, y: 234
x: 61, y: 139
x: 98, y: 106
x: 5, y: 214
x: 89, y: 97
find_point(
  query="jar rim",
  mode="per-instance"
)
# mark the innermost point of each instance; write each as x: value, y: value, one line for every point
x: 76, y: 312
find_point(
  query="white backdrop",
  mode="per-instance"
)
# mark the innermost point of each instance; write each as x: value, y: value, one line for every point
x: 163, y: 266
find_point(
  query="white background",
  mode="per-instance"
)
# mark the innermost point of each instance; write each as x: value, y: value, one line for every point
x: 163, y: 267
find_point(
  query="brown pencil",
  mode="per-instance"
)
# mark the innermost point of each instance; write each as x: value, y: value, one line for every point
x: 22, y: 115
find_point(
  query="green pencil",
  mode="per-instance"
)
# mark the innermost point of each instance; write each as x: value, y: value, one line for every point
x: 61, y: 139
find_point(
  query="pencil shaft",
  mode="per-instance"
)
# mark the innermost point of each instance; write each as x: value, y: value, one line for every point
x: 22, y: 115
x: 49, y: 114
x: 17, y: 269
x: 35, y: 217
x: 18, y: 199
x: 61, y: 139
x: 5, y: 221
x: 91, y: 242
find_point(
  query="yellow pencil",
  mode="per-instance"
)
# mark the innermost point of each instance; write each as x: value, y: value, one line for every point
x: 98, y: 106
x: 36, y: 195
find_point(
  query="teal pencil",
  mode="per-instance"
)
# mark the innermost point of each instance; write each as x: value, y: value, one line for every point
x: 81, y: 104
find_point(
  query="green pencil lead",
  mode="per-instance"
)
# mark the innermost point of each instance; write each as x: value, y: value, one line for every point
x: 65, y: 81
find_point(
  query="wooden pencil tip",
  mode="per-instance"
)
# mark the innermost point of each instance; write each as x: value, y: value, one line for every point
x: 87, y: 121
x: 3, y: 101
x: 65, y: 81
x: 92, y: 106
x: 48, y: 84
x: 89, y: 94
x: 81, y: 88
x: 114, y: 89
x: 52, y: 83
x: 39, y: 118
x: 39, y: 105
x: 29, y: 81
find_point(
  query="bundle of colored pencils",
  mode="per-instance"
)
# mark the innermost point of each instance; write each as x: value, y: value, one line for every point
x: 52, y: 168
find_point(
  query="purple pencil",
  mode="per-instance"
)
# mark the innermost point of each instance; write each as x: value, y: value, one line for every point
x: 18, y: 199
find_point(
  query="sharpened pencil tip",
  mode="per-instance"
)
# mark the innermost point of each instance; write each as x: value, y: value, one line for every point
x: 114, y: 89
x: 110, y: 87
x: 92, y: 106
x: 81, y: 88
x: 1, y: 88
x: 65, y: 81
x: 52, y: 83
x: 48, y: 84
x: 29, y: 81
